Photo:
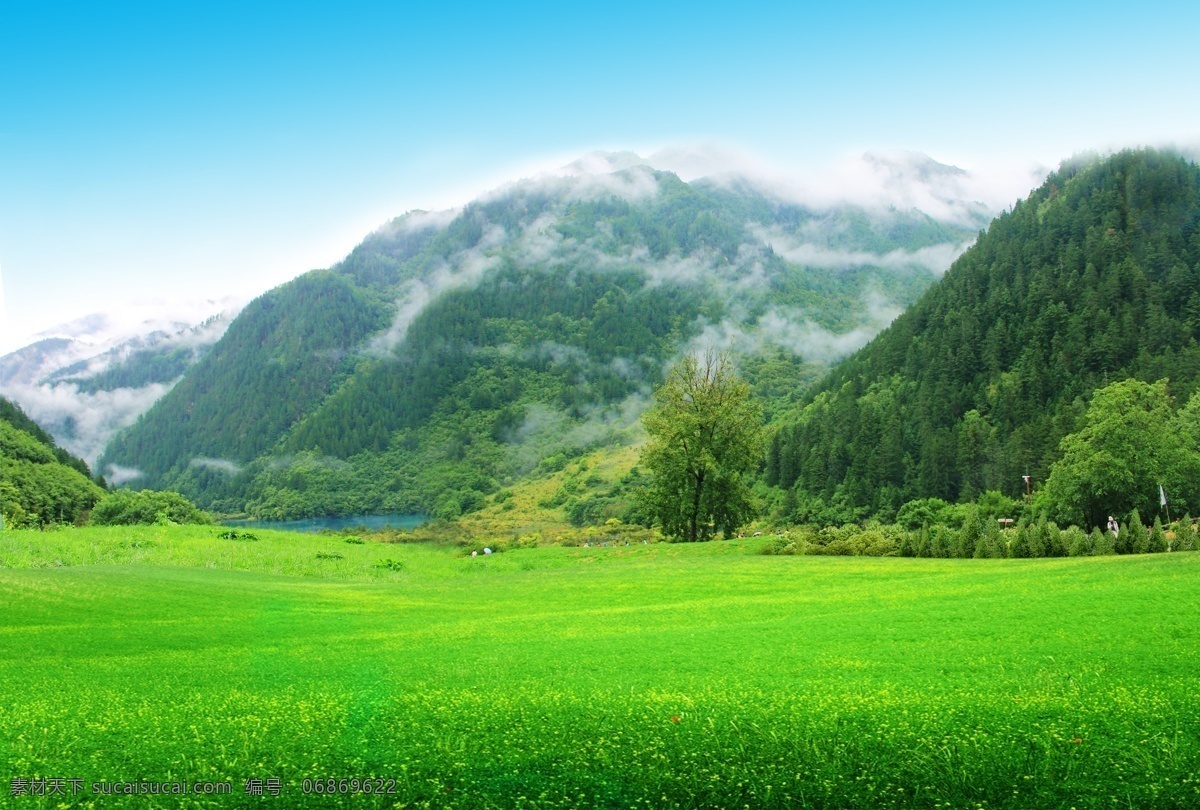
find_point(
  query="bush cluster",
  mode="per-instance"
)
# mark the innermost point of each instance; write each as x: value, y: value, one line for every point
x: 979, y: 539
x: 124, y: 507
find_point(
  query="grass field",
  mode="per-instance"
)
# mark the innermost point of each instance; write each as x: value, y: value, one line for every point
x: 641, y: 676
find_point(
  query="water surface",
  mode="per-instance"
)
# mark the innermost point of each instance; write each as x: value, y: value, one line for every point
x: 393, y: 521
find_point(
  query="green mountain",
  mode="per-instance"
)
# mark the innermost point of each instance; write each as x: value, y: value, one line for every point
x: 450, y: 354
x: 88, y: 378
x: 1094, y: 278
x: 39, y: 482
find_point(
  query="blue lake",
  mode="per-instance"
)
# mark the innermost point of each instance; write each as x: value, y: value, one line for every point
x: 396, y: 521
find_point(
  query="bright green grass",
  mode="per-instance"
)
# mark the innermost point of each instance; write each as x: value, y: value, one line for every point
x: 653, y: 676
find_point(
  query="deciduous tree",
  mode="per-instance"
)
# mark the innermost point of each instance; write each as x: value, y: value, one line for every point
x: 706, y: 434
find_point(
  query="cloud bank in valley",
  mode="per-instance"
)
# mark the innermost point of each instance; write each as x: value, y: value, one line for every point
x: 84, y: 423
x: 41, y: 378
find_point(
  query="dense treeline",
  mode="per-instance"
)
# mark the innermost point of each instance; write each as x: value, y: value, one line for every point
x: 980, y: 538
x: 1095, y: 277
x: 37, y: 490
x: 34, y: 488
x: 570, y: 324
x: 142, y: 368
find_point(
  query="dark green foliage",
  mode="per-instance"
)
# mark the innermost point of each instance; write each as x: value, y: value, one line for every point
x: 233, y: 534
x: 142, y: 368
x: 36, y: 489
x: 279, y: 358
x: 1138, y: 539
x: 1156, y: 543
x: 1185, y: 535
x: 1021, y: 546
x: 1080, y: 543
x: 921, y: 547
x: 992, y: 544
x: 971, y: 533
x: 1058, y: 544
x: 941, y: 541
x: 11, y: 413
x: 124, y: 507
x: 1094, y: 277
x: 1122, y: 542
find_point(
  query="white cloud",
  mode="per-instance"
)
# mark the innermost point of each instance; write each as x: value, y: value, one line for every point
x: 117, y: 475
x: 792, y: 330
x: 84, y: 423
x: 220, y: 465
x: 934, y: 258
x: 463, y: 269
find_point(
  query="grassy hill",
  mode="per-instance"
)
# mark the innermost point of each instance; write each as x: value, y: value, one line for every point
x: 643, y: 676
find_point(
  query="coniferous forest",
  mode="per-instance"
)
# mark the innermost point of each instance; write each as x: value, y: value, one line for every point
x: 1093, y: 279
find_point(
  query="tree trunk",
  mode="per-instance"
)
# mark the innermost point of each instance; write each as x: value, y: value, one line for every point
x: 694, y: 523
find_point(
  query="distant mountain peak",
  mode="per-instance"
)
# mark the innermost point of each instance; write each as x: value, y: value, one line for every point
x: 601, y: 162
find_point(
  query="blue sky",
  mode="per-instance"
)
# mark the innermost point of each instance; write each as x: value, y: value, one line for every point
x: 165, y: 151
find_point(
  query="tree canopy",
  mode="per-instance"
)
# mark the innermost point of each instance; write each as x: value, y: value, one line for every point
x: 1130, y: 444
x: 705, y: 436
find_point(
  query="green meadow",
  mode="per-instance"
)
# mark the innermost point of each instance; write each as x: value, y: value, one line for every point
x: 639, y: 676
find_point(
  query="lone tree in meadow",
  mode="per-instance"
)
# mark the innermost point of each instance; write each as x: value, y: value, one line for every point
x: 706, y: 433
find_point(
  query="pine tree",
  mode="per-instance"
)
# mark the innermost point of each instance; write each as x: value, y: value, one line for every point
x: 923, y: 549
x: 1057, y: 544
x: 1185, y: 535
x: 1081, y: 544
x: 968, y: 537
x: 1020, y: 546
x: 1122, y: 542
x: 1157, y: 541
x: 1139, y: 540
x: 1103, y: 543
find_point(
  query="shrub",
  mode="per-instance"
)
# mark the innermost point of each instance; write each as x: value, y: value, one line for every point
x: 1079, y: 543
x: 786, y: 545
x: 1103, y: 543
x: 236, y: 535
x: 1185, y: 535
x: 1157, y: 541
x: 124, y: 507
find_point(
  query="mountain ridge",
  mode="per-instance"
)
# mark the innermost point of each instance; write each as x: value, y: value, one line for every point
x: 1096, y: 275
x: 579, y: 288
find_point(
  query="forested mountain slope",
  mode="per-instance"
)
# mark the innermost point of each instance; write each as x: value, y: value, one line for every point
x: 450, y: 353
x: 1094, y: 278
x: 39, y: 482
